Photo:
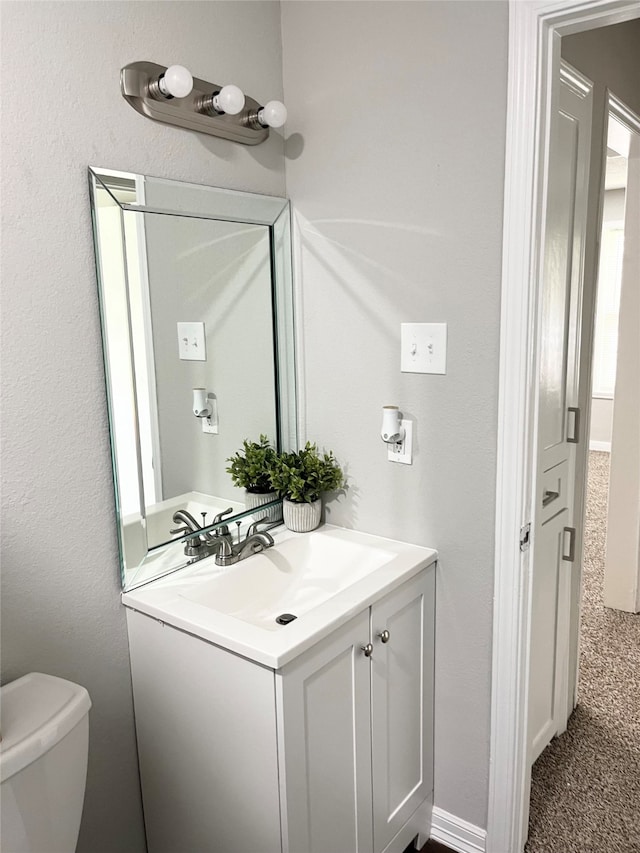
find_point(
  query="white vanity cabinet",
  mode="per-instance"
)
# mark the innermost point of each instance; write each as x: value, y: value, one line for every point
x: 332, y: 753
x: 357, y: 730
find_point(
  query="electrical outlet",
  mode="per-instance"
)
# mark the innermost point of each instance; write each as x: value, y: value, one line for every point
x: 403, y: 451
x: 210, y: 424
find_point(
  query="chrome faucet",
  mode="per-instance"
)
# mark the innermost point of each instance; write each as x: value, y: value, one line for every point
x: 254, y: 542
x: 204, y: 544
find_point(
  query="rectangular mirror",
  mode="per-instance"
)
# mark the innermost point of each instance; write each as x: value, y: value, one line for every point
x: 197, y: 316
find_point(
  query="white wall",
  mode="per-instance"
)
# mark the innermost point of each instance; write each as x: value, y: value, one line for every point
x: 61, y: 111
x: 613, y: 206
x: 218, y: 273
x: 602, y: 407
x: 622, y: 563
x: 601, y: 424
x: 395, y: 166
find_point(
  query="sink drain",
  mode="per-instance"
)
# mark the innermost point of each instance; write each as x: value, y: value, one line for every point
x: 285, y: 618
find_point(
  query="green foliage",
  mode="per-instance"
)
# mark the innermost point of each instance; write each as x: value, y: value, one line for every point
x: 305, y: 474
x: 252, y: 466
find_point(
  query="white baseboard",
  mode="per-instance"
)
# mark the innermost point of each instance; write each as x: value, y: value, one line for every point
x: 602, y: 446
x: 458, y: 834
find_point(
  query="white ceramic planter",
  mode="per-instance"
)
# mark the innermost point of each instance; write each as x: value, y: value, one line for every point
x: 253, y: 500
x: 302, y: 517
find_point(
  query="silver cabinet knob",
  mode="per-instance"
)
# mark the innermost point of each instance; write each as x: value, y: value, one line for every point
x: 384, y: 636
x: 368, y: 650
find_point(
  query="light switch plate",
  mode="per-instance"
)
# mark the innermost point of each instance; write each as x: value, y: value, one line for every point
x: 423, y: 347
x: 191, y: 342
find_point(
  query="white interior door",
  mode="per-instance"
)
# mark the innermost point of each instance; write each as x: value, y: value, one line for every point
x: 558, y: 416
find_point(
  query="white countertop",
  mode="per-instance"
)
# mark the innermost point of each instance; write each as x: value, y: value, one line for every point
x: 166, y: 599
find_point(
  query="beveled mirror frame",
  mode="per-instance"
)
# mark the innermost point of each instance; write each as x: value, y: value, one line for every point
x: 205, y: 202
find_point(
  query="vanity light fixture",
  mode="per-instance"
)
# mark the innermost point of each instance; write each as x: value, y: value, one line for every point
x: 171, y: 95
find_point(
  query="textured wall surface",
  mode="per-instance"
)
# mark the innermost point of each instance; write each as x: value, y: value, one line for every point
x: 61, y: 111
x: 395, y: 166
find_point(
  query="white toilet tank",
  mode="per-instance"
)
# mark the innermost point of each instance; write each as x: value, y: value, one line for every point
x: 44, y: 723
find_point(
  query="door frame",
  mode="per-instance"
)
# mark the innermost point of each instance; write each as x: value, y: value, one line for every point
x: 535, y: 29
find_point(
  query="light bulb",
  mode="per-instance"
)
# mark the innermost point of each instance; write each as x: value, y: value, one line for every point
x: 273, y: 114
x: 230, y: 99
x: 176, y: 82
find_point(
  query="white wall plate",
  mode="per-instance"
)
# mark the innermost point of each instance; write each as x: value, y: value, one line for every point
x: 423, y: 347
x: 405, y: 454
x: 192, y: 342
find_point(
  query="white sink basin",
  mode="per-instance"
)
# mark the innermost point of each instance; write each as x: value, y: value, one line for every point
x: 293, y: 577
x: 323, y: 578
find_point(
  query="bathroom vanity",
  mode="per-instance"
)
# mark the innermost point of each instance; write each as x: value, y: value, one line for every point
x: 314, y: 736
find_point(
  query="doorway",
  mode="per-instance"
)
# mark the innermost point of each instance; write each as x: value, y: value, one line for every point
x: 585, y: 791
x: 535, y: 32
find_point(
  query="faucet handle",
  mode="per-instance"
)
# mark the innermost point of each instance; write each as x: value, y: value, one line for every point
x: 223, y: 530
x: 253, y: 527
x: 181, y: 531
x: 222, y: 514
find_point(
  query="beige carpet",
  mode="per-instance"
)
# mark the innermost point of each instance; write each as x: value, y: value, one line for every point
x: 586, y: 785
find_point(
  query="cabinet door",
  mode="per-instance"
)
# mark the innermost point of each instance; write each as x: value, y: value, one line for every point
x: 324, y: 743
x: 548, y: 658
x: 402, y: 704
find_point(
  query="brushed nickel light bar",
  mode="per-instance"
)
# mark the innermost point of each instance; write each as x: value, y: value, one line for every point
x: 171, y: 95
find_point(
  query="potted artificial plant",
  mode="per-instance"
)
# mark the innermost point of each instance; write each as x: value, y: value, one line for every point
x: 251, y: 470
x: 300, y: 478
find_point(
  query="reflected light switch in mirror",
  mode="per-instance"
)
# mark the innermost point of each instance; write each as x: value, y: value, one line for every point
x: 191, y: 342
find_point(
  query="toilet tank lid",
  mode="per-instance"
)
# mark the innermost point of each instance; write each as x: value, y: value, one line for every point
x: 36, y: 712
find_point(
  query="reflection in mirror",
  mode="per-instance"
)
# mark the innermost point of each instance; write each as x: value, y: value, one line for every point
x: 197, y: 318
